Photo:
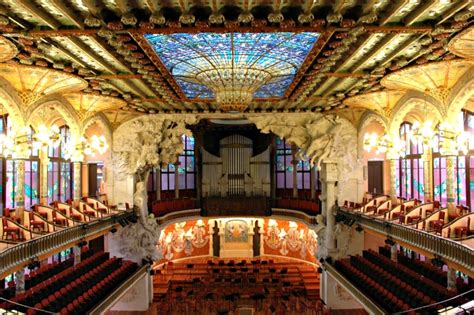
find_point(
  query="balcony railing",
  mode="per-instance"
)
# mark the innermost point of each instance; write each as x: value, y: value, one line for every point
x: 17, y: 256
x: 447, y: 249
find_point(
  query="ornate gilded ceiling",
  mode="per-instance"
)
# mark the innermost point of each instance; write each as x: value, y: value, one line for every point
x: 102, y: 43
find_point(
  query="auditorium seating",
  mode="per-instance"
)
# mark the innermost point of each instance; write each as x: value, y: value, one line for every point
x: 163, y: 207
x: 395, y: 287
x: 197, y: 285
x: 76, y: 289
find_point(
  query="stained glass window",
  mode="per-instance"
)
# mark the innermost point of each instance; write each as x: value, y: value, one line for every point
x: 191, y: 58
x: 186, y: 169
x: 410, y: 170
x: 284, y: 165
x: 440, y: 180
x: 31, y: 183
x: 60, y: 171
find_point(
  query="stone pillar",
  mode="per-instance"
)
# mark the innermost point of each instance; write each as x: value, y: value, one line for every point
x: 176, y: 180
x: 393, y: 181
x: 158, y: 183
x: 450, y: 184
x: 20, y: 281
x: 77, y: 254
x: 427, y: 174
x: 312, y: 181
x: 451, y: 285
x: 294, y: 162
x: 394, y: 252
x: 328, y: 179
x: 20, y: 189
x: 77, y: 185
x: 44, y: 162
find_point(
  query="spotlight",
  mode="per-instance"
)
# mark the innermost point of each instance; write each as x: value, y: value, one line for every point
x: 320, y: 270
x: 386, y: 224
x: 359, y: 228
x: 113, y: 230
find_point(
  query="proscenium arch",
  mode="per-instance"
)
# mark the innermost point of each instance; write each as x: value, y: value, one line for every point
x: 409, y: 103
x: 11, y: 102
x: 64, y: 109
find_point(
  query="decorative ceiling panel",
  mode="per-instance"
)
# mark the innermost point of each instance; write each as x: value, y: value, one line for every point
x: 191, y: 58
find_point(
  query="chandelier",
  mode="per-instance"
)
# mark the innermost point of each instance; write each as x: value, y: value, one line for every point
x: 396, y: 147
x: 12, y: 144
x: 234, y: 85
x: 94, y: 145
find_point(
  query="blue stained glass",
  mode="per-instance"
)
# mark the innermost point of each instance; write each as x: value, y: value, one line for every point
x: 185, y: 55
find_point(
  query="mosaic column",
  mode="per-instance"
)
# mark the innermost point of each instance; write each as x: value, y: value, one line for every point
x: 77, y: 254
x: 394, y: 252
x: 77, y: 185
x: 20, y: 188
x: 451, y: 285
x: 393, y: 181
x: 427, y: 175
x: 450, y: 184
x: 20, y: 281
x: 44, y: 162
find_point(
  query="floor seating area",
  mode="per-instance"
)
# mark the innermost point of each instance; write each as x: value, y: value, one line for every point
x: 222, y: 285
x: 394, y: 286
x: 310, y: 207
x: 73, y: 289
x: 163, y: 207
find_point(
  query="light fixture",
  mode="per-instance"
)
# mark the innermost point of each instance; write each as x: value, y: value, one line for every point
x: 88, y: 146
x: 396, y: 146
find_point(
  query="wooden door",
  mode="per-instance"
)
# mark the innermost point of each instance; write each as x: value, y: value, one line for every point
x: 375, y: 177
x: 92, y: 179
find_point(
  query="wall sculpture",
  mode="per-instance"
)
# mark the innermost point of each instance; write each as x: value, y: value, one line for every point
x: 139, y: 145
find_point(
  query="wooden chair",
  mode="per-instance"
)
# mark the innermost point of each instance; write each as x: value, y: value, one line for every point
x: 12, y: 231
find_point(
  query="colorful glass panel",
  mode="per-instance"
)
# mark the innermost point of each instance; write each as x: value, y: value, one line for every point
x: 187, y: 55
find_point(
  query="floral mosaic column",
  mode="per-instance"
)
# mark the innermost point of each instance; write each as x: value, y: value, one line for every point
x: 427, y: 175
x: 451, y: 285
x: 450, y: 184
x: 393, y: 180
x: 44, y: 179
x: 77, y: 182
x: 328, y: 179
x: 20, y: 188
x: 20, y: 281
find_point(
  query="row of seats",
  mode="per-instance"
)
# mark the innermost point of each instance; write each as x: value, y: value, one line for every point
x: 311, y: 207
x: 162, y: 207
x: 72, y: 286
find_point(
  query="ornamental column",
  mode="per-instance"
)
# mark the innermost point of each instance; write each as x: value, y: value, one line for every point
x: 393, y: 181
x: 328, y: 180
x: 22, y: 153
x: 20, y: 281
x: 77, y: 184
x: 451, y: 285
x: 448, y: 149
x: 427, y: 174
x: 44, y: 162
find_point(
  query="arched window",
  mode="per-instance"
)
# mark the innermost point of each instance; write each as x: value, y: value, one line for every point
x: 186, y: 173
x: 410, y: 168
x: 284, y: 165
x: 59, y: 170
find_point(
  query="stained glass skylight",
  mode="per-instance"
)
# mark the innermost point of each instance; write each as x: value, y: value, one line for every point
x: 256, y: 65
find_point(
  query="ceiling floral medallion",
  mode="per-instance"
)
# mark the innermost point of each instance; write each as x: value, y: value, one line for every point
x: 8, y: 50
x: 233, y: 68
x: 462, y: 44
x: 32, y: 83
x: 86, y: 105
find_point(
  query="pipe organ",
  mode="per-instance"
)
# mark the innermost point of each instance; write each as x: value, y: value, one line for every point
x: 236, y: 172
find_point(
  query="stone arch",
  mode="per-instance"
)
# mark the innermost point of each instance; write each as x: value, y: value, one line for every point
x: 102, y: 121
x: 11, y: 102
x: 460, y: 94
x: 64, y: 109
x: 408, y: 103
x: 367, y: 118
